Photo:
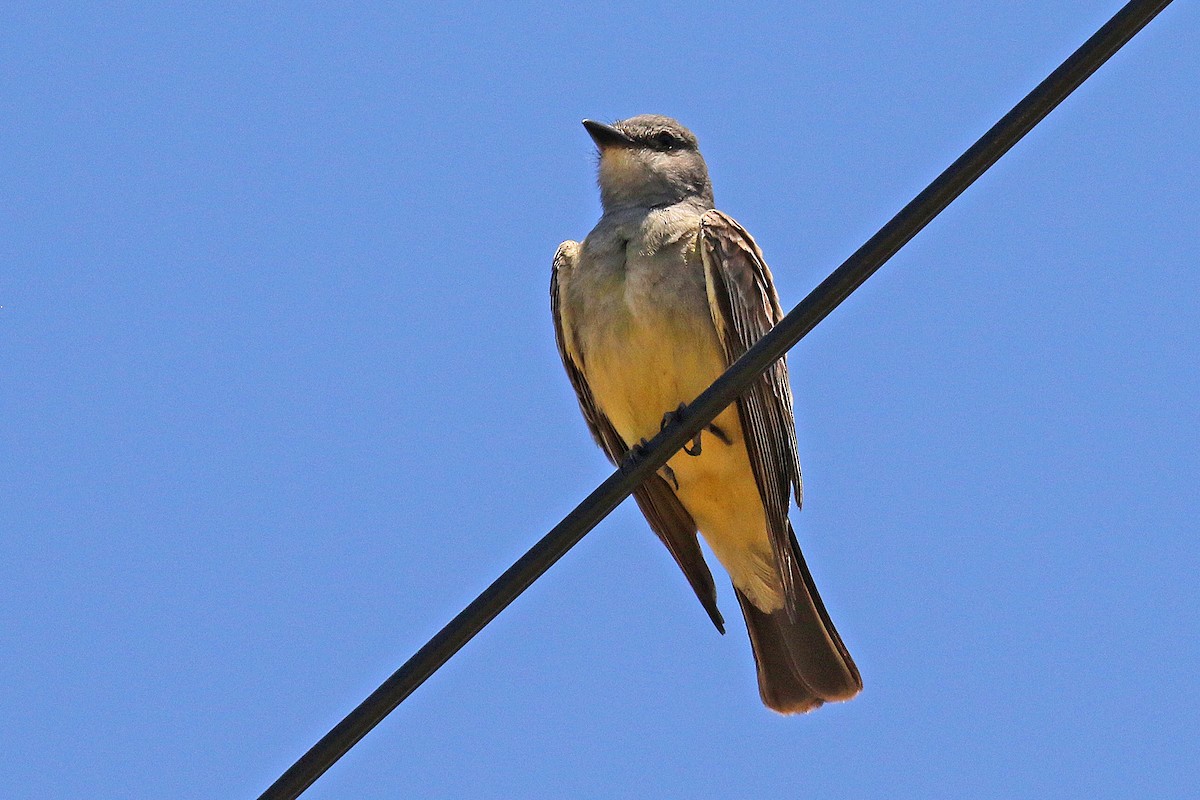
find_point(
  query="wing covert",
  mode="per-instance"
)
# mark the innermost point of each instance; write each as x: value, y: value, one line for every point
x: 744, y: 306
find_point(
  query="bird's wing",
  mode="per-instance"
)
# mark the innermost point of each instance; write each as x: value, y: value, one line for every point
x: 662, y: 509
x: 744, y: 306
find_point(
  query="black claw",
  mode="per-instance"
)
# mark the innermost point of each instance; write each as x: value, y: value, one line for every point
x: 669, y: 474
x: 720, y: 434
x: 672, y: 416
x: 635, y: 453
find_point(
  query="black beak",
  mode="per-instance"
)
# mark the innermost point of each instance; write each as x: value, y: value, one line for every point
x: 606, y: 135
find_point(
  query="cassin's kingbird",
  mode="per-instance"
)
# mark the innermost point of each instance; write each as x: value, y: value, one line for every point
x: 660, y: 298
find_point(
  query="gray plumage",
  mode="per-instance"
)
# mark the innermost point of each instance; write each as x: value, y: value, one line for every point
x: 657, y: 301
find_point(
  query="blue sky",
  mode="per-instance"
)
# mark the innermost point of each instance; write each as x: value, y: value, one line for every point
x: 279, y: 395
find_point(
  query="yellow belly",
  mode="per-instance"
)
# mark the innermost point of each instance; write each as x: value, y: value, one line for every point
x: 644, y: 369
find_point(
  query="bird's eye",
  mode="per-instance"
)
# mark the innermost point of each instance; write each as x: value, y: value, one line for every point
x: 666, y: 140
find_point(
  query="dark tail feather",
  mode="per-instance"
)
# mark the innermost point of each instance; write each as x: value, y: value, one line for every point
x: 801, y: 664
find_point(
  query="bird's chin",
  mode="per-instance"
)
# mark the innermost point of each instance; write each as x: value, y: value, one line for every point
x: 625, y: 173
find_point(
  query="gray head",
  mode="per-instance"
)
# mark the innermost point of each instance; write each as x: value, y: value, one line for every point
x: 647, y: 161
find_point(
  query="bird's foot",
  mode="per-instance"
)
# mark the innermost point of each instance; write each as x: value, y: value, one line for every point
x: 694, y: 449
x: 675, y: 416
x: 635, y: 454
x: 720, y: 434
x: 672, y: 416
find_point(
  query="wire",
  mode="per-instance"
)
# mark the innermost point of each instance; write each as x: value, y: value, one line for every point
x: 802, y: 319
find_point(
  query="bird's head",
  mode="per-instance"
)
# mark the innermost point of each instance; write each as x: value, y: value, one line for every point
x: 648, y: 161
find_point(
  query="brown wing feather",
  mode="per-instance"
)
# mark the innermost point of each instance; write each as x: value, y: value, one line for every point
x: 801, y: 659
x: 662, y: 509
x: 745, y: 306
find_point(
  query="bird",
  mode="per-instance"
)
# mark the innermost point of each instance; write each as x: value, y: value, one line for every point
x: 652, y: 306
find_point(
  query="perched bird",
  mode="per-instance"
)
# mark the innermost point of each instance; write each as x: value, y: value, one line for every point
x: 660, y: 298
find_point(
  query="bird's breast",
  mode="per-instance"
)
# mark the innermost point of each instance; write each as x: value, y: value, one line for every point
x: 647, y: 341
x: 648, y: 338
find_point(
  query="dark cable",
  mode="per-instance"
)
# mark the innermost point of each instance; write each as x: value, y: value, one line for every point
x: 802, y: 319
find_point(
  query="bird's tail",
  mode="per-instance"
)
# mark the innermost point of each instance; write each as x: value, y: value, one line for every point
x: 801, y: 663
